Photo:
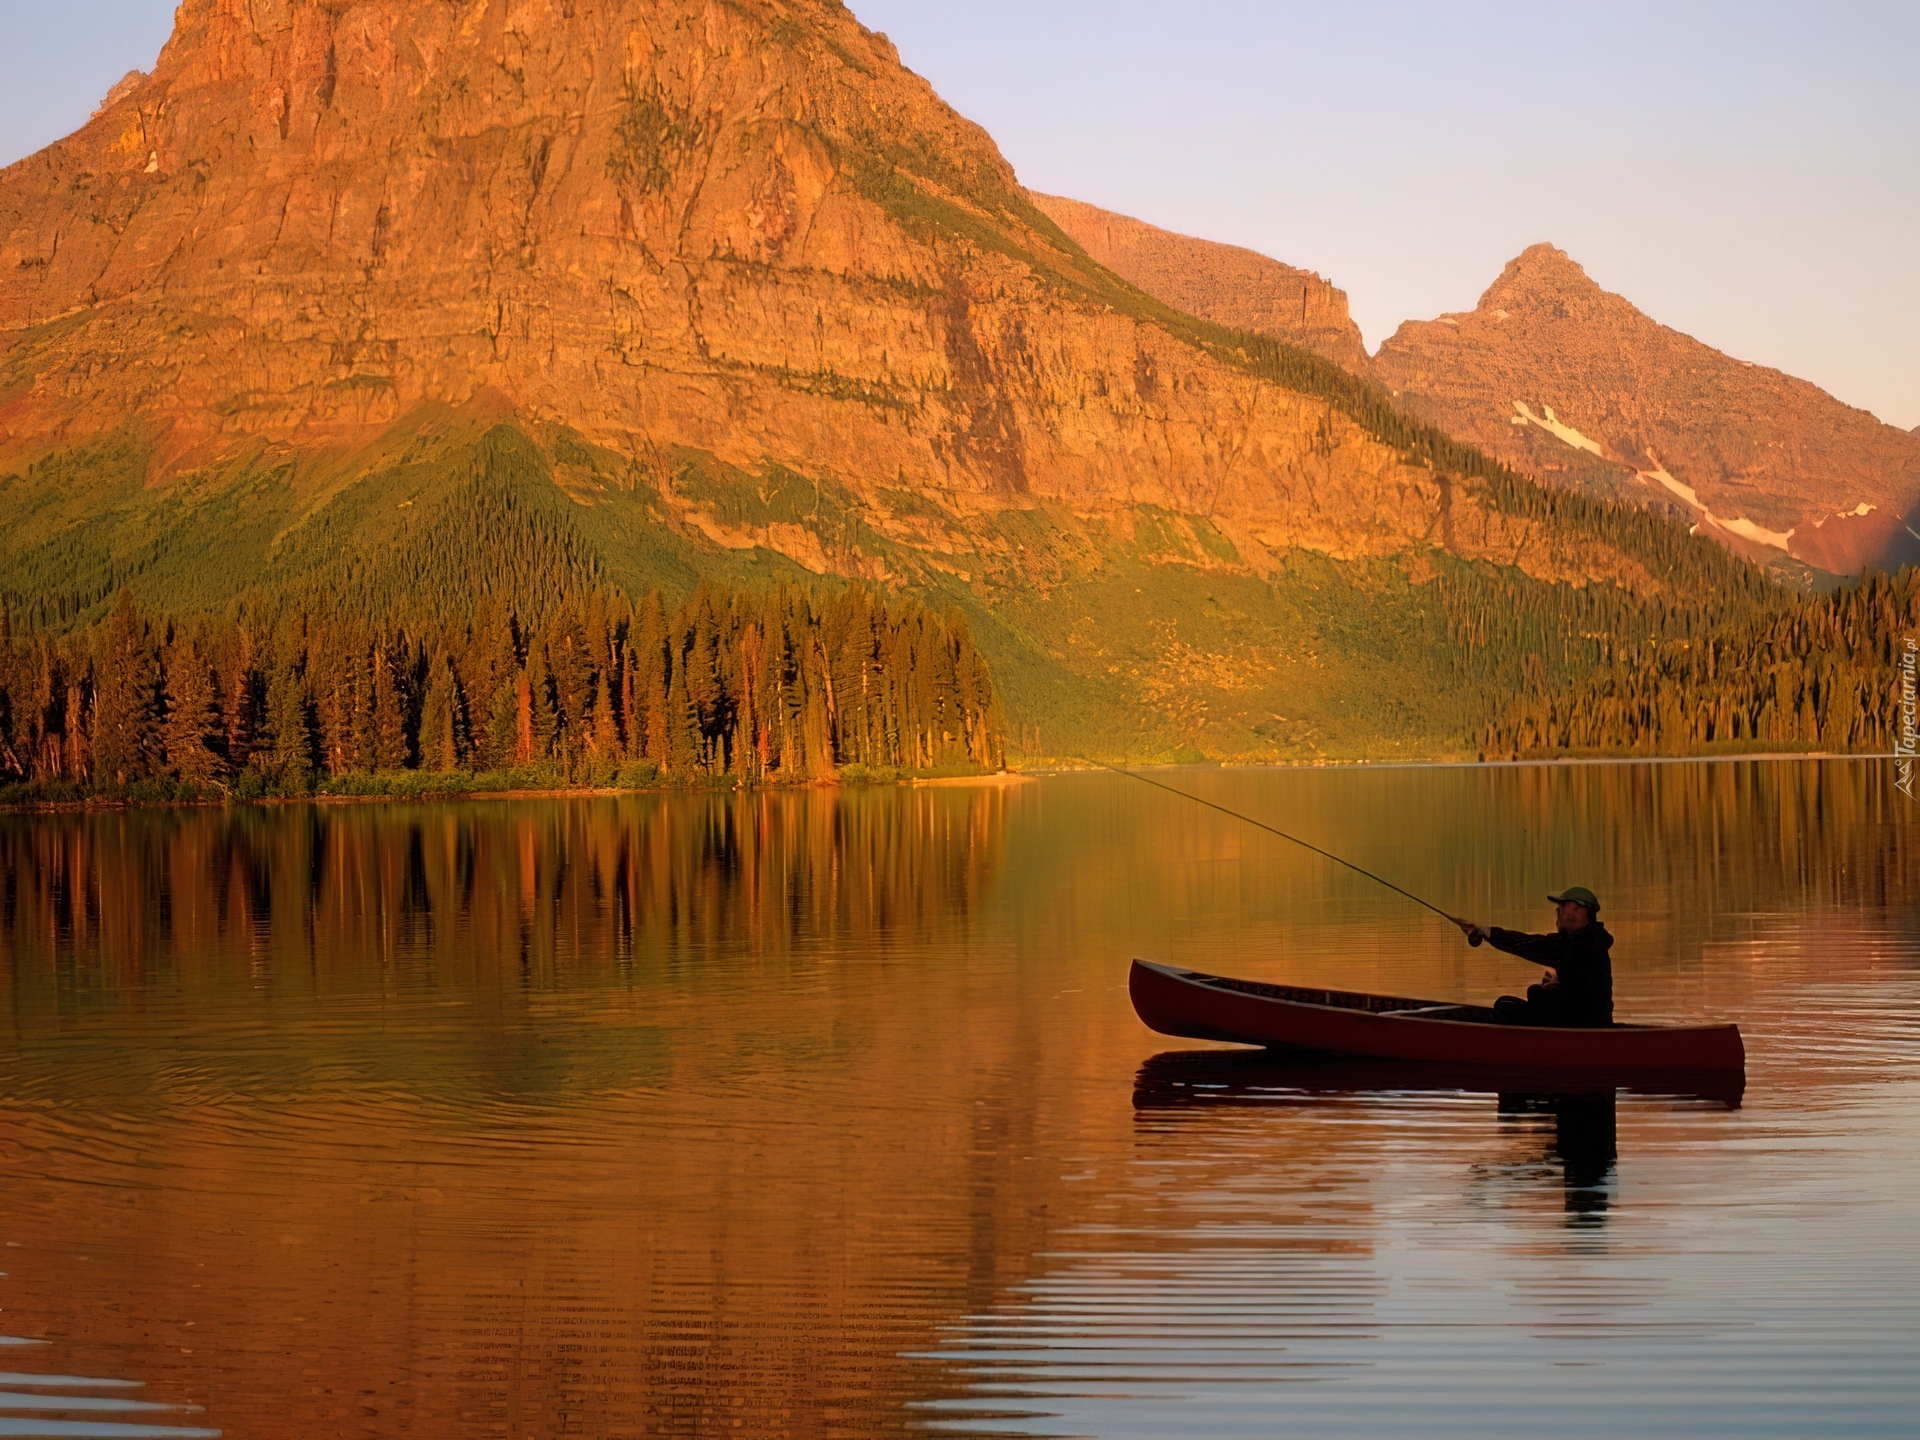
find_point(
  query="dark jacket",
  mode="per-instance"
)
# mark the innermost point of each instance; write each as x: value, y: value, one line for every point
x: 1580, y: 957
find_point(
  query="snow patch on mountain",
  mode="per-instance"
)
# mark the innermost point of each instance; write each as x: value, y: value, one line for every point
x: 1552, y: 424
x: 1747, y: 530
x: 1740, y: 526
x: 1858, y: 512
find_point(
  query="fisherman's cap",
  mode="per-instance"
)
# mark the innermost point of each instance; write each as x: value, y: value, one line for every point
x: 1579, y: 895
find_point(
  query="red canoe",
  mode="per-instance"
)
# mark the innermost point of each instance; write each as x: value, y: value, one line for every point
x: 1389, y: 1027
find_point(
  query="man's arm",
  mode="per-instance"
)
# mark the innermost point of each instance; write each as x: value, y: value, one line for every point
x: 1546, y: 951
x: 1542, y: 950
x: 1537, y: 948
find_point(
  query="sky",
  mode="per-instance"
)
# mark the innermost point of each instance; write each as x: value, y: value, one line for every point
x: 1748, y: 173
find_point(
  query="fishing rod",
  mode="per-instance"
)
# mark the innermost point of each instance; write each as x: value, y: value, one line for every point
x: 1472, y: 939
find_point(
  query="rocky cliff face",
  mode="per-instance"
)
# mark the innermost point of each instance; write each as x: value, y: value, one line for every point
x: 1224, y: 283
x: 1573, y: 383
x: 737, y: 227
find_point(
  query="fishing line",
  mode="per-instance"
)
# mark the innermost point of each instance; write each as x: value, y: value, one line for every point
x: 1262, y: 825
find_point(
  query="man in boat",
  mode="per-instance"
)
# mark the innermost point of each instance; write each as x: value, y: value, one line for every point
x: 1577, y: 988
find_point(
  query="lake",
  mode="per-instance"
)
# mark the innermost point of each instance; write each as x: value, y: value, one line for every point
x: 826, y: 1113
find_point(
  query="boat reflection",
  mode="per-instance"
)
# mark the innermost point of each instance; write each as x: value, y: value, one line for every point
x: 1255, y: 1077
x: 1583, y: 1147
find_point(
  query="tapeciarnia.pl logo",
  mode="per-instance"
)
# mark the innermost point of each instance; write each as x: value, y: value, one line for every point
x: 1907, y: 730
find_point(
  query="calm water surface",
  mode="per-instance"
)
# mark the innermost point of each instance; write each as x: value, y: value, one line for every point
x: 826, y: 1114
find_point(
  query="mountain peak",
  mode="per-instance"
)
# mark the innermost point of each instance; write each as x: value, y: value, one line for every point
x: 1538, y: 274
x: 407, y: 204
x: 1574, y: 383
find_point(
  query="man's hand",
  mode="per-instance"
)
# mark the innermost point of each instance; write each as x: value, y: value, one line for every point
x: 1474, y: 933
x: 1549, y: 977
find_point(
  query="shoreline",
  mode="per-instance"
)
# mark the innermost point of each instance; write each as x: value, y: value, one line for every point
x: 997, y: 780
x: 1559, y: 760
x: 1569, y: 761
x: 1004, y: 779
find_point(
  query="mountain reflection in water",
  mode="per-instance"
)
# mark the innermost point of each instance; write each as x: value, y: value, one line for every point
x: 825, y: 1113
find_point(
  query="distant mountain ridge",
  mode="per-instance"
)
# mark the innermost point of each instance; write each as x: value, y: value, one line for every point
x: 1224, y: 283
x: 1566, y: 380
x: 1570, y: 383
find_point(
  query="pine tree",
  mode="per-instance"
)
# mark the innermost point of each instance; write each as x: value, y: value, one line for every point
x: 497, y: 752
x: 242, y: 710
x: 290, y: 721
x: 193, y: 728
x: 753, y: 746
x: 603, y: 737
x: 75, y: 759
x: 655, y: 666
x: 362, y: 737
x: 389, y: 717
x: 485, y: 673
x: 41, y: 713
x: 549, y: 725
x: 127, y: 697
x: 632, y: 734
x: 563, y: 649
x: 13, y: 766
x: 336, y: 669
x: 681, y: 751
x: 439, y: 743
x: 524, y: 739
x: 697, y: 649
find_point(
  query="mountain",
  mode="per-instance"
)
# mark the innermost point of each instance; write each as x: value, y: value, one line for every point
x: 746, y: 230
x: 418, y: 305
x: 1239, y: 288
x: 1572, y: 383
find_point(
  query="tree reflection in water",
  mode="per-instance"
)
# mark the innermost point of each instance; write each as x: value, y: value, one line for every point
x: 532, y: 895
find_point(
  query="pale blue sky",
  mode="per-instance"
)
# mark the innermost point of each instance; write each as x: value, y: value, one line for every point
x: 1749, y: 173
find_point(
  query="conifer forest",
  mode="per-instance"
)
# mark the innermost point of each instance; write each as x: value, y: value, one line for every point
x: 289, y: 696
x: 1802, y: 673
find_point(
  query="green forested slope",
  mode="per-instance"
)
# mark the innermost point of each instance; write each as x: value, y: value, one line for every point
x: 1137, y: 636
